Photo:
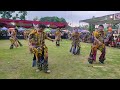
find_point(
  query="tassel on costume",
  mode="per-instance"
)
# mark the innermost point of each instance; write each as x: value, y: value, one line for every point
x: 11, y: 47
x: 20, y: 43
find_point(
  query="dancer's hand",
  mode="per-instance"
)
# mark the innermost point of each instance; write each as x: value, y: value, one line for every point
x: 100, y: 43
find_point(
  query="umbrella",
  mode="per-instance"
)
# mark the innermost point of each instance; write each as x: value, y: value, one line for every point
x: 84, y: 31
x: 47, y: 30
x: 65, y: 30
x: 53, y: 30
x: 21, y: 29
x: 79, y: 30
x: 4, y: 28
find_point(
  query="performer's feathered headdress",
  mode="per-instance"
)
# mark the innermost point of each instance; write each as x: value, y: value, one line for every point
x: 35, y: 26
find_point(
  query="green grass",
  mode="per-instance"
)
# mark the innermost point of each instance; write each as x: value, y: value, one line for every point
x: 17, y: 63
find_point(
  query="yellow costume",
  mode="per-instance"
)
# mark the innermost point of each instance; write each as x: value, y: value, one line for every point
x: 13, y: 38
x: 75, y: 48
x: 97, y: 46
x: 58, y: 37
x: 39, y: 49
x: 26, y: 33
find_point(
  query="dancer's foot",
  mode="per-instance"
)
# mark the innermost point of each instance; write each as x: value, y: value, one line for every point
x: 90, y: 61
x: 37, y: 70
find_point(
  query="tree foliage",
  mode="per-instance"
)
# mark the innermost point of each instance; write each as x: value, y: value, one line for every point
x: 36, y: 19
x: 23, y: 15
x: 6, y: 14
x: 91, y: 27
x: 9, y: 15
x: 53, y: 19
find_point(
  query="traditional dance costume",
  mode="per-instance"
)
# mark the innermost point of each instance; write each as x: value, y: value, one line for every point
x: 14, y: 40
x: 40, y: 50
x: 96, y: 46
x: 58, y: 37
x: 75, y: 48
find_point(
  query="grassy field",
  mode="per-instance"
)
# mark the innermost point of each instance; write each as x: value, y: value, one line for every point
x: 17, y: 63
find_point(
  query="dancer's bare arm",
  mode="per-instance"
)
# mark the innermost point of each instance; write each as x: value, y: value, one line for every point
x: 46, y: 37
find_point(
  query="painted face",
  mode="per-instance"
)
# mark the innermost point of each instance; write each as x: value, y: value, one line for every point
x: 40, y: 30
x: 100, y: 28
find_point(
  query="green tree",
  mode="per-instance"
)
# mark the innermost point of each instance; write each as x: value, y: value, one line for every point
x: 62, y: 20
x: 43, y: 19
x: 91, y: 27
x: 52, y: 19
x: 23, y: 15
x: 15, y: 17
x: 6, y: 14
x: 56, y: 19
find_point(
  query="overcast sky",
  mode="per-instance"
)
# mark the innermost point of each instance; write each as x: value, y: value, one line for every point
x: 70, y: 16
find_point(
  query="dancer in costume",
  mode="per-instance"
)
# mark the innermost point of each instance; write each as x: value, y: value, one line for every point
x: 75, y: 48
x: 118, y: 42
x: 14, y: 40
x: 69, y: 35
x: 58, y: 37
x: 98, y: 44
x: 40, y: 50
x: 109, y: 41
x: 26, y: 34
x: 30, y: 36
x: 87, y: 37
